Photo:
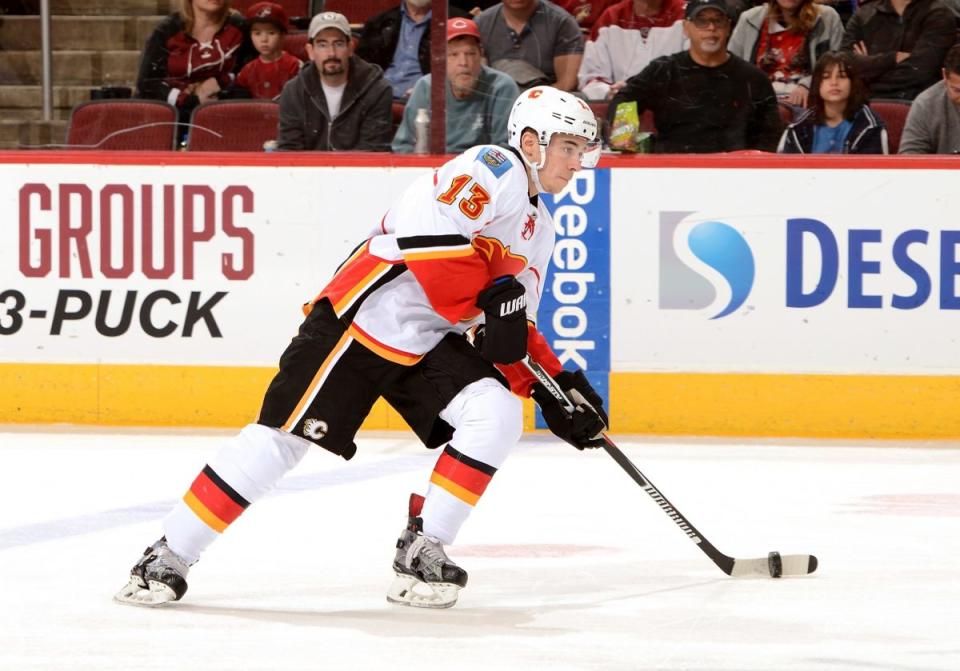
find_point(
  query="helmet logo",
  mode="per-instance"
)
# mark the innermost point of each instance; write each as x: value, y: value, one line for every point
x: 535, y: 93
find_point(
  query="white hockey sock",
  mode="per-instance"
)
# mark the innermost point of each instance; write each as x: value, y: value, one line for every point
x: 243, y: 471
x: 487, y: 421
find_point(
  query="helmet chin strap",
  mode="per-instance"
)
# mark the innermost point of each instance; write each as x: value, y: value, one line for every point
x: 535, y: 167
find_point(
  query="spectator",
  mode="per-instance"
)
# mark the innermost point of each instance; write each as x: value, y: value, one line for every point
x: 899, y: 45
x: 534, y: 41
x: 933, y: 124
x: 473, y: 7
x: 705, y: 99
x: 193, y: 54
x: 341, y: 102
x: 784, y: 38
x: 478, y: 98
x: 586, y: 12
x: 625, y: 39
x: 398, y: 40
x: 839, y: 120
x: 265, y: 75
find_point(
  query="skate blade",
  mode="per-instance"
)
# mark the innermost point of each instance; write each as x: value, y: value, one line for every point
x: 409, y: 591
x: 153, y: 595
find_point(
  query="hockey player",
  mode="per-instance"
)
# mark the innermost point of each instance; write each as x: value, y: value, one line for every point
x: 463, y: 249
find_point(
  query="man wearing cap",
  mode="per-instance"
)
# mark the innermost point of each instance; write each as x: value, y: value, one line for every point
x: 705, y: 99
x: 398, y: 40
x: 341, y: 102
x: 478, y: 98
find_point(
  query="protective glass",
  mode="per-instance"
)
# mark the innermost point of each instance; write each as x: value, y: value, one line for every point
x: 589, y: 156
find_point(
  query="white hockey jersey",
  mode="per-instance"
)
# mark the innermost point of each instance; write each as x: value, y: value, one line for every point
x: 446, y: 238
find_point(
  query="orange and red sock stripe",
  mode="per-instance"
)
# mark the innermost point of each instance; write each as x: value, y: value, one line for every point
x: 214, y: 501
x: 460, y: 475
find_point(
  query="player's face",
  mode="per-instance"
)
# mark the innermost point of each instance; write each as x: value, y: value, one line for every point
x: 519, y: 5
x: 265, y: 38
x: 835, y: 85
x: 708, y: 32
x: 464, y: 59
x: 564, y: 159
x: 952, y: 82
x: 330, y: 51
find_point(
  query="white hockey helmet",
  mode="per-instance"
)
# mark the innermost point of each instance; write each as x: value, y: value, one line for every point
x: 546, y: 111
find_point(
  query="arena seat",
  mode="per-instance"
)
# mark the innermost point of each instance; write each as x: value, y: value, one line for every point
x: 397, y: 113
x: 123, y: 124
x: 233, y: 125
x: 358, y: 11
x: 787, y: 112
x: 894, y: 115
x: 295, y: 44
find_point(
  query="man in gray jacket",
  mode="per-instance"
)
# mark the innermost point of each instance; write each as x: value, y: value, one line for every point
x: 340, y: 102
x: 933, y: 125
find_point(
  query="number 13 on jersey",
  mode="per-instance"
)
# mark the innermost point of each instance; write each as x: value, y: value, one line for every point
x: 471, y: 205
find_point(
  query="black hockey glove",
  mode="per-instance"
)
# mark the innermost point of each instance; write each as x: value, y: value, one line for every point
x: 582, y: 428
x: 505, y: 316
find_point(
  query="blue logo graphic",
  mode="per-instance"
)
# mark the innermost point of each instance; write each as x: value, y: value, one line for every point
x: 718, y: 245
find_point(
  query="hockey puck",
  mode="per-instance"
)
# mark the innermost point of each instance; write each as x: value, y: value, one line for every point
x: 775, y: 564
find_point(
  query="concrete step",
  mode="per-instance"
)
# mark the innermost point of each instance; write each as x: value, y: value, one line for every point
x: 93, y: 68
x: 102, y: 33
x: 31, y: 134
x: 32, y: 113
x: 24, y: 97
x: 114, y: 7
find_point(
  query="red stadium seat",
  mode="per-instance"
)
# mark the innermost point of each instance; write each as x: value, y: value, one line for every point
x: 786, y: 113
x: 358, y: 11
x: 233, y: 125
x: 397, y: 113
x: 130, y: 124
x: 295, y: 44
x: 894, y: 115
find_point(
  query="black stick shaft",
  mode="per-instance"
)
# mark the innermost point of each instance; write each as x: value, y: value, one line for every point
x: 723, y: 561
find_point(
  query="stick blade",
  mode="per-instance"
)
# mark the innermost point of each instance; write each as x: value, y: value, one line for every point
x: 790, y: 565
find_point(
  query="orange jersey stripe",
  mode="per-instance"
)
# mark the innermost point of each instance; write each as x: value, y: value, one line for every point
x: 380, y: 349
x: 439, y: 254
x: 358, y: 273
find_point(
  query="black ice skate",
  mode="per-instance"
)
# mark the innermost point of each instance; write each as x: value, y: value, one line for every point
x: 158, y: 578
x: 426, y: 578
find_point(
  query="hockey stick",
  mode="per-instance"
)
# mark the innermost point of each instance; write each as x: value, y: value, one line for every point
x: 773, y: 565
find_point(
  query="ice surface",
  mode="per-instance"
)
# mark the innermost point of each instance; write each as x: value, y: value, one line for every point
x: 571, y: 565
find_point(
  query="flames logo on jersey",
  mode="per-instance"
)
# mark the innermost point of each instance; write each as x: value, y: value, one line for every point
x: 499, y: 259
x: 529, y: 227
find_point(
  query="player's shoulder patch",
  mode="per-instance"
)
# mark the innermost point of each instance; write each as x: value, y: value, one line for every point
x: 497, y: 161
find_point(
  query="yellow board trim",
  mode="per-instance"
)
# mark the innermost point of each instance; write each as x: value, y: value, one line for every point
x: 201, y: 511
x: 730, y: 404
x: 805, y: 406
x: 461, y: 493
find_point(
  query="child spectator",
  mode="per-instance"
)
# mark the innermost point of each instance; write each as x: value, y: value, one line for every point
x: 839, y: 120
x: 265, y: 75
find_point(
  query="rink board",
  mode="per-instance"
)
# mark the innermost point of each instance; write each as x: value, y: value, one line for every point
x: 715, y: 295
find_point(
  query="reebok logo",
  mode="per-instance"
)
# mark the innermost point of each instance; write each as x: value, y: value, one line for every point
x: 514, y: 305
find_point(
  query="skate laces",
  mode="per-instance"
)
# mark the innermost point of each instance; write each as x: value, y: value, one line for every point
x: 430, y: 549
